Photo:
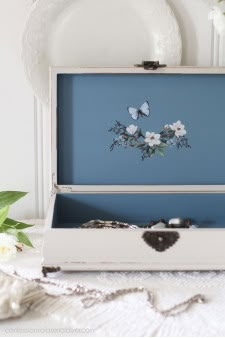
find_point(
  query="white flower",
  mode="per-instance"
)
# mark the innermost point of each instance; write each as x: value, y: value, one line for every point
x: 166, y: 127
x: 7, y: 247
x: 217, y: 17
x: 178, y: 127
x: 152, y: 139
x: 131, y: 129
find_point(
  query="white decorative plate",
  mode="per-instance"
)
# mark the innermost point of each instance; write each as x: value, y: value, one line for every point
x: 97, y: 33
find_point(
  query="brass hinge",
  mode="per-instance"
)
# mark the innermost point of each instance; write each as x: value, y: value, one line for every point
x: 153, y: 65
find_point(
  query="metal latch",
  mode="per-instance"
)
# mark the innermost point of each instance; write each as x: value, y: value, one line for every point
x: 160, y: 240
x: 150, y: 65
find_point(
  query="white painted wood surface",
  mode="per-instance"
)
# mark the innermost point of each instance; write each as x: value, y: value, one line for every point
x: 107, y: 249
x: 25, y: 153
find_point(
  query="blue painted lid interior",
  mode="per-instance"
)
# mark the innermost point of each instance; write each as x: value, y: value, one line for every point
x: 88, y: 105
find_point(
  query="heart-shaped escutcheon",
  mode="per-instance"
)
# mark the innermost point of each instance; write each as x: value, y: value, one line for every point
x: 160, y: 240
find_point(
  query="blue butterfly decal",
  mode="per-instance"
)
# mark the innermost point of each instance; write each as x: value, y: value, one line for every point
x: 135, y: 113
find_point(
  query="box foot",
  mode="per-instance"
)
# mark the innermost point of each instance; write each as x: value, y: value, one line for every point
x: 49, y: 269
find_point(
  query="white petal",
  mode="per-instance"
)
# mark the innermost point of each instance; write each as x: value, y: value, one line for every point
x: 179, y: 133
x: 131, y: 129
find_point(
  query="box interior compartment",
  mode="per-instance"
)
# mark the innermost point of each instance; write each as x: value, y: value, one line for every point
x: 73, y: 209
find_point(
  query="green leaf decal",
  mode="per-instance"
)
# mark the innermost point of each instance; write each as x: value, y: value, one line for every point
x: 10, y: 197
x: 162, y: 145
x: 160, y: 151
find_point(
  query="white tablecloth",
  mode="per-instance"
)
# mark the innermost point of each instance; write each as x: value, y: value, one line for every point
x: 129, y: 315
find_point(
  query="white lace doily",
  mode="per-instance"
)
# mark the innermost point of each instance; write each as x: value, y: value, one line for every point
x: 131, y: 315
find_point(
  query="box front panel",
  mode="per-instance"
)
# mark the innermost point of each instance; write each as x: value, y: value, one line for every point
x: 125, y: 250
x: 71, y: 248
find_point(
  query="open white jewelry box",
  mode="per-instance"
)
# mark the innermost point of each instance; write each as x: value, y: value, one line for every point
x: 108, y: 163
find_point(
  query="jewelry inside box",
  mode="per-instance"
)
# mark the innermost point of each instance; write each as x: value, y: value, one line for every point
x: 173, y: 223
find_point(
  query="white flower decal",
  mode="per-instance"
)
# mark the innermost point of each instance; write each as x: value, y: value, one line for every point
x: 7, y: 247
x: 179, y: 128
x: 131, y: 129
x: 148, y: 143
x: 152, y: 139
x: 217, y: 17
